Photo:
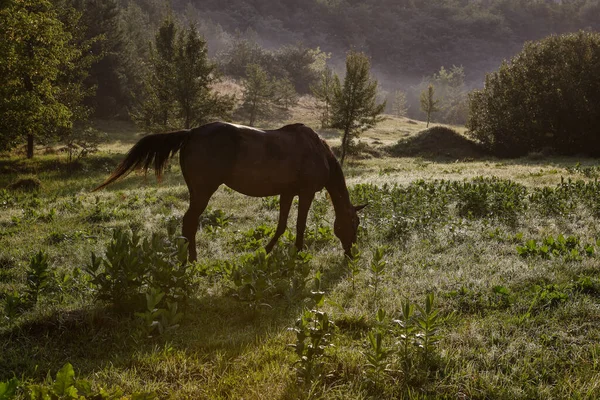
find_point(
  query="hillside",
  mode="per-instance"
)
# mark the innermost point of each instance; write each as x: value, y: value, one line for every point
x: 406, y: 39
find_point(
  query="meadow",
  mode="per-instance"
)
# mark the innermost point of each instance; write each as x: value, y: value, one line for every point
x: 473, y: 278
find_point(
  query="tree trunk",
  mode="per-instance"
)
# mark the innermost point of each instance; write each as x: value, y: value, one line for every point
x: 252, y: 114
x: 344, y: 146
x: 29, y: 145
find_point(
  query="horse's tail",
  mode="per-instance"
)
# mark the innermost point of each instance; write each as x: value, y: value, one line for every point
x: 152, y: 150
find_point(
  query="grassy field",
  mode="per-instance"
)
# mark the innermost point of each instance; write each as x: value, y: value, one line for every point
x: 508, y: 248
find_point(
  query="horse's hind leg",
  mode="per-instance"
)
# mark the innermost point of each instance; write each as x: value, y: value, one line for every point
x: 285, y: 202
x: 198, y: 203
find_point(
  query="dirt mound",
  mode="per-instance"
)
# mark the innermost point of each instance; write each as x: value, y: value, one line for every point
x: 26, y: 184
x: 437, y: 141
x: 359, y: 151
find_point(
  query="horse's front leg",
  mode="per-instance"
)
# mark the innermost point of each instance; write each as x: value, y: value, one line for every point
x: 304, y: 202
x: 285, y: 202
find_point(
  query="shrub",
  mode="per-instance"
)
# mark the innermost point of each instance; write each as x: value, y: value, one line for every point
x: 545, y: 97
x: 132, y: 266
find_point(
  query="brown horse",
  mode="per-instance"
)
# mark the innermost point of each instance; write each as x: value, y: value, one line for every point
x: 290, y: 161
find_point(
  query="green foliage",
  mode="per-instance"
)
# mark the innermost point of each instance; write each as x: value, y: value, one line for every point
x: 569, y: 248
x: 469, y: 300
x: 407, y: 329
x: 414, y: 352
x: 253, y: 239
x: 451, y: 93
x: 323, y: 92
x: 179, y: 92
x: 80, y: 143
x: 67, y: 386
x: 213, y: 220
x: 428, y: 322
x: 429, y: 104
x: 354, y: 107
x: 314, y: 331
x: 542, y: 98
x: 485, y: 197
x: 399, y: 104
x: 353, y: 262
x: 35, y: 51
x: 259, y: 277
x: 319, y: 232
x: 39, y: 280
x: 270, y: 203
x: 377, y: 353
x: 258, y: 94
x: 132, y: 266
x: 284, y: 93
x: 377, y: 269
x: 38, y: 276
x: 8, y: 389
x: 159, y: 319
x: 295, y: 63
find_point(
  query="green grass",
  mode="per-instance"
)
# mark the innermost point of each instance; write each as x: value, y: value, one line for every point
x: 511, y: 326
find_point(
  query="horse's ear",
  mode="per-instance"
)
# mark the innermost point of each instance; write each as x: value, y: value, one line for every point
x: 358, y: 208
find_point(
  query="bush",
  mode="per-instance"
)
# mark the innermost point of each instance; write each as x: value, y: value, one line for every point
x: 545, y: 97
x: 132, y: 267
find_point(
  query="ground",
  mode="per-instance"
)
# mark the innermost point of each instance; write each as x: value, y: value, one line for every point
x: 508, y: 248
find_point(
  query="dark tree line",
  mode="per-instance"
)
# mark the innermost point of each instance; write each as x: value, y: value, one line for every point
x: 64, y: 61
x: 407, y: 38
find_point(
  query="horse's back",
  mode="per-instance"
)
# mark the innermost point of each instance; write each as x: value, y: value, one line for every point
x: 256, y: 162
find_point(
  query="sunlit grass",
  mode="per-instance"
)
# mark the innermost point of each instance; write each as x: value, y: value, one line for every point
x: 491, y: 346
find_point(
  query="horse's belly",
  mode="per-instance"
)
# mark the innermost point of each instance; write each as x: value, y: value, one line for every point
x: 271, y: 183
x: 261, y: 188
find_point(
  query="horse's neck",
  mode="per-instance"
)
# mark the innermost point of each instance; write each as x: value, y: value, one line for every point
x: 337, y: 187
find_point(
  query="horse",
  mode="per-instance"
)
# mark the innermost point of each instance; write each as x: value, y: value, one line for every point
x: 289, y: 161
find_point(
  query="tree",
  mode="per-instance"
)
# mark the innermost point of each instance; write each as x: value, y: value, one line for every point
x: 179, y: 87
x: 35, y: 49
x: 297, y: 64
x: 195, y: 74
x: 354, y: 107
x: 242, y: 51
x: 258, y: 94
x: 399, y: 104
x: 112, y: 72
x: 452, y: 94
x: 284, y: 93
x: 429, y: 104
x: 323, y: 92
x: 547, y: 96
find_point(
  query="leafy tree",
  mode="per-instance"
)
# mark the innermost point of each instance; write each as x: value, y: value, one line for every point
x: 429, y: 104
x: 354, y: 107
x: 195, y: 74
x: 452, y: 94
x: 323, y: 92
x: 179, y: 89
x: 399, y: 104
x: 285, y: 93
x: 258, y: 94
x: 297, y: 64
x: 112, y: 72
x: 242, y: 51
x: 545, y: 97
x: 35, y: 51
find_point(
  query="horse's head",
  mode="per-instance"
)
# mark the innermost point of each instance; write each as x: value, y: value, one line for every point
x: 346, y: 226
